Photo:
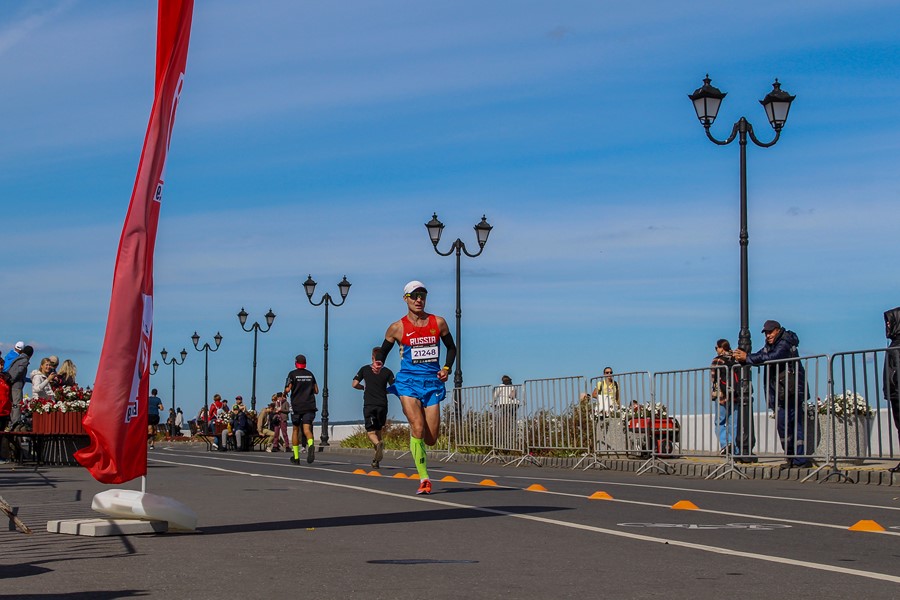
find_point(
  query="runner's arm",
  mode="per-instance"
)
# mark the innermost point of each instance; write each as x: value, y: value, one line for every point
x: 451, y: 350
x: 386, y: 346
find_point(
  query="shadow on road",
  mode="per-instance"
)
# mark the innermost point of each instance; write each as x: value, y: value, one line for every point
x: 443, y: 514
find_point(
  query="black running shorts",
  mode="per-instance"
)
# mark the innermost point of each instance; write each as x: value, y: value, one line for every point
x: 375, y: 417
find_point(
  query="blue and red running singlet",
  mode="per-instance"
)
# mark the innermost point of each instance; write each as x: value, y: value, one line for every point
x: 420, y: 350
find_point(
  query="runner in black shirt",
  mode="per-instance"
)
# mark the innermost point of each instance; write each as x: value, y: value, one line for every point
x: 302, y: 388
x: 376, y: 378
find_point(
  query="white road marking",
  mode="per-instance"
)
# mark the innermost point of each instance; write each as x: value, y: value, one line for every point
x: 556, y: 522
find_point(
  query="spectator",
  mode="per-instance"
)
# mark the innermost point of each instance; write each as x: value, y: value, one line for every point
x: 14, y: 353
x: 214, y: 409
x: 786, y: 391
x: 54, y: 362
x: 239, y: 401
x: 722, y: 395
x: 263, y: 423
x: 606, y: 392
x: 179, y: 421
x: 727, y: 376
x: 154, y: 405
x: 505, y: 403
x: 18, y: 371
x: 42, y: 380
x: 170, y: 424
x: 892, y: 368
x: 67, y: 372
x: 202, y: 420
x: 237, y: 428
x: 5, y: 411
x: 279, y: 422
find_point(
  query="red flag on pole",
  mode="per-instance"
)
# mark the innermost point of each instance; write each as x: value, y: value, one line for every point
x: 117, y: 417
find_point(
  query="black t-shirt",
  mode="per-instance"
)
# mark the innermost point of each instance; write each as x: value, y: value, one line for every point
x: 303, y: 395
x: 375, y: 393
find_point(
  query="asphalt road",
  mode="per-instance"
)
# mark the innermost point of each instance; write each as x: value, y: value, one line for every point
x: 269, y: 528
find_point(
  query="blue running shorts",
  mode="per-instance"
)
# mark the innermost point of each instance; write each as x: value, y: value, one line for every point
x: 429, y: 392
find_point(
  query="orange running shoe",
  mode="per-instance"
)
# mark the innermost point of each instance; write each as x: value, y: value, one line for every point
x: 424, y: 487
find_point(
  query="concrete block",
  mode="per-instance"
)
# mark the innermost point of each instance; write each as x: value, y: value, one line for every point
x: 106, y: 527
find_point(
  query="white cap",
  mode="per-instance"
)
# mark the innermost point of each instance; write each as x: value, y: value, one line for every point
x: 20, y: 346
x: 412, y: 286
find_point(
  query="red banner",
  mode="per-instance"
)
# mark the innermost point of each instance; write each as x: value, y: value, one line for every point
x: 117, y: 417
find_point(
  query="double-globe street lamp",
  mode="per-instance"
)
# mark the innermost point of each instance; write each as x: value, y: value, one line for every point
x: 482, y: 231
x: 309, y: 287
x: 707, y: 100
x: 256, y: 329
x: 174, y: 362
x: 206, y: 349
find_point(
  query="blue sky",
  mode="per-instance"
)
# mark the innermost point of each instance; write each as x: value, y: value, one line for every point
x: 319, y: 137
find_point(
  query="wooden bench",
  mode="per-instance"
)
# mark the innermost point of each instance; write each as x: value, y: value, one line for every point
x: 44, y: 448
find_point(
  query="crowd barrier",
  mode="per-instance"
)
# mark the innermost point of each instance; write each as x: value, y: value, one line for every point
x: 809, y: 411
x: 857, y: 412
x: 622, y: 427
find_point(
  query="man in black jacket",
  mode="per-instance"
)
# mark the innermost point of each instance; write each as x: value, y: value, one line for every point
x: 18, y: 374
x: 786, y: 390
x: 892, y: 367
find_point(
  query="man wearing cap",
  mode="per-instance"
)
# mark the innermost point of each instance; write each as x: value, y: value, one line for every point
x: 302, y: 388
x: 18, y: 374
x: 789, y: 405
x: 420, y: 381
x: 891, y: 371
x: 13, y: 354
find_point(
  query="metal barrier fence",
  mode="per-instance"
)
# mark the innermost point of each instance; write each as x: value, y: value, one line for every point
x: 857, y: 410
x: 473, y: 421
x: 811, y: 408
x: 507, y: 429
x: 789, y: 390
x: 679, y: 397
x: 554, y: 417
x: 615, y: 401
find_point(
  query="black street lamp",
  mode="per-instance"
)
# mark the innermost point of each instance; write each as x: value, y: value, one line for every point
x: 482, y: 231
x: 206, y: 349
x: 256, y: 329
x: 155, y: 367
x: 777, y: 103
x: 309, y: 287
x: 174, y: 362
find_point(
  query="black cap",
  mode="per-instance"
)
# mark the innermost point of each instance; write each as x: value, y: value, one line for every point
x: 770, y: 325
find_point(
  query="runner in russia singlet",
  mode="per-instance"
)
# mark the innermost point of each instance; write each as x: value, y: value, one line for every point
x: 420, y: 353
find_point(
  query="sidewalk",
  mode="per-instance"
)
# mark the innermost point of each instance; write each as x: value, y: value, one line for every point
x: 871, y: 472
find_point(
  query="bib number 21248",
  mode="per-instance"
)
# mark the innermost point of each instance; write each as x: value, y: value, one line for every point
x: 424, y: 354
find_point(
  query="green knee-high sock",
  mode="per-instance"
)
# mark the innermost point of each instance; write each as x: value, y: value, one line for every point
x: 296, y: 450
x: 417, y: 449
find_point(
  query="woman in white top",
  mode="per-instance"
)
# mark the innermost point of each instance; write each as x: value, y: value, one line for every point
x: 42, y: 380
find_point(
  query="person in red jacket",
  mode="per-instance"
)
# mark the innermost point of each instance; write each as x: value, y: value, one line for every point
x: 5, y: 409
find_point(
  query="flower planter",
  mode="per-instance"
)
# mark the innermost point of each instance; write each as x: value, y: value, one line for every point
x: 67, y: 423
x: 850, y: 437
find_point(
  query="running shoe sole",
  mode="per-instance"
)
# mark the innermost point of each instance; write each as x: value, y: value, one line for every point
x: 294, y: 461
x: 424, y: 488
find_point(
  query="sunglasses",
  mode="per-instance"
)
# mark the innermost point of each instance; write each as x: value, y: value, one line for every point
x: 417, y: 295
x: 607, y: 372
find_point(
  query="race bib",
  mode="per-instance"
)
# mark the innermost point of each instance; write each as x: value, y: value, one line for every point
x: 424, y: 354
